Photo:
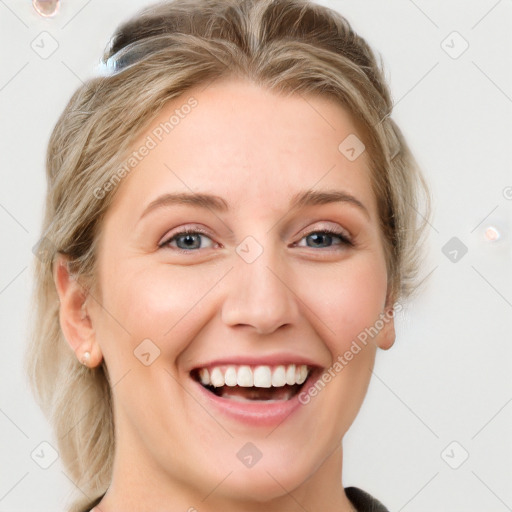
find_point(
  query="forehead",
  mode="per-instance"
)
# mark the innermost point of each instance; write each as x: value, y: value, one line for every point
x: 250, y: 145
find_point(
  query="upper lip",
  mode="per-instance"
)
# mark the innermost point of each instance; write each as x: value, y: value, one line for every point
x: 270, y: 360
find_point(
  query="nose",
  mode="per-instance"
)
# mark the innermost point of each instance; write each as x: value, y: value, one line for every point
x: 261, y: 294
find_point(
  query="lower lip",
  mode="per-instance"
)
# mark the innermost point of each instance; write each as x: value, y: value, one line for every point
x: 258, y: 412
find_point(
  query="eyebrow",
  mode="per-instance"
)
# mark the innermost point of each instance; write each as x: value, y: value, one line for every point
x: 219, y: 204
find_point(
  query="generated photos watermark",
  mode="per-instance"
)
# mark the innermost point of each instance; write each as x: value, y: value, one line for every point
x: 344, y: 359
x: 151, y: 142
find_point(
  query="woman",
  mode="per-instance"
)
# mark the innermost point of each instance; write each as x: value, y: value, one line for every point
x: 230, y: 227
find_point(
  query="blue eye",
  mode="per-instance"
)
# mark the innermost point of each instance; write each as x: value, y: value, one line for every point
x: 320, y: 236
x: 189, y: 240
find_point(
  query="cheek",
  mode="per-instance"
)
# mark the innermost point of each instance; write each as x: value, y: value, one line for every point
x: 348, y: 298
x: 154, y: 301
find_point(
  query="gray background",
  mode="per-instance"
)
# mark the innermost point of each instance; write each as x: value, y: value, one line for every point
x: 443, y: 392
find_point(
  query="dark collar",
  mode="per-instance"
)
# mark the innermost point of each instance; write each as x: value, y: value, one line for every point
x: 363, y: 501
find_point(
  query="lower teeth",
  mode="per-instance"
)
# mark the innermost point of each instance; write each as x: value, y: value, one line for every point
x: 241, y: 394
x: 242, y: 399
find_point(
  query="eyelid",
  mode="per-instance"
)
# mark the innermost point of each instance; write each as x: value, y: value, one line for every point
x: 334, y: 229
x: 183, y: 230
x: 346, y: 240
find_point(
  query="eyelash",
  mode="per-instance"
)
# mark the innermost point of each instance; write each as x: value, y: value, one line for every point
x: 345, y: 241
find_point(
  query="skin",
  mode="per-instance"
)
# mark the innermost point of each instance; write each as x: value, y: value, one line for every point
x: 256, y: 150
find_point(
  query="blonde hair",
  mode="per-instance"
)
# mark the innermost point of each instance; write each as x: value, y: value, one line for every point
x: 287, y: 46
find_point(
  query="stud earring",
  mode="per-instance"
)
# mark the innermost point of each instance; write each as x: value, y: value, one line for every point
x: 86, y: 358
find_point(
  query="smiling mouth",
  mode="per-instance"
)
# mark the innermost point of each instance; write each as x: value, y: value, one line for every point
x: 253, y: 383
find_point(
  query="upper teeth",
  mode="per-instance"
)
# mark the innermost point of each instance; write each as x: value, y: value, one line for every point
x: 259, y: 376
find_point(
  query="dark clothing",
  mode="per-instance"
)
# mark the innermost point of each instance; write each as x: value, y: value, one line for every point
x: 361, y: 500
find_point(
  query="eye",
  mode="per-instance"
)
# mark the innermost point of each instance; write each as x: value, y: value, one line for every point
x: 325, y: 236
x: 186, y: 240
x: 189, y: 240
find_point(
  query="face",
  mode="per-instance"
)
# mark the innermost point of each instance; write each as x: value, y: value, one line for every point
x: 261, y: 281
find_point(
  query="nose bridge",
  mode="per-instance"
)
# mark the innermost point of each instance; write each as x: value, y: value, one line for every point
x: 258, y: 294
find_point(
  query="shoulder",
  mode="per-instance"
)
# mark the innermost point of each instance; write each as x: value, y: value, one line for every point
x: 363, y: 501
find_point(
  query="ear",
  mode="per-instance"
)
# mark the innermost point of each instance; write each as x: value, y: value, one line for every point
x: 74, y: 320
x: 386, y: 337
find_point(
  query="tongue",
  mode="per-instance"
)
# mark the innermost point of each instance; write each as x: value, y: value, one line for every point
x: 241, y: 393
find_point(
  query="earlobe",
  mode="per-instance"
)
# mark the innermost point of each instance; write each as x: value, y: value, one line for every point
x: 386, y: 337
x: 75, y: 322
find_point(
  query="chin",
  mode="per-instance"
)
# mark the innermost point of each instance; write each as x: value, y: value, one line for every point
x: 264, y: 483
x: 274, y: 475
